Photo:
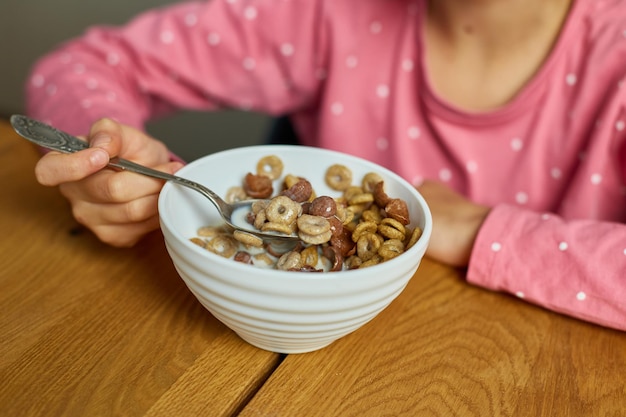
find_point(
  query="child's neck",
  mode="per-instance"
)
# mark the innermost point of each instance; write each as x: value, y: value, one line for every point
x: 480, y: 53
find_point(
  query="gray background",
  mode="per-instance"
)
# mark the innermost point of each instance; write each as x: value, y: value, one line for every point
x: 30, y: 28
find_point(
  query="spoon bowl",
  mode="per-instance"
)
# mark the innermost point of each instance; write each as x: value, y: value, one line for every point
x: 51, y: 138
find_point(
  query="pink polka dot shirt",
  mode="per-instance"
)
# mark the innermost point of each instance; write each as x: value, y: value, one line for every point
x: 551, y: 163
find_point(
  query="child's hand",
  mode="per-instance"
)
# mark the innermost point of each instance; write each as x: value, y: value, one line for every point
x: 119, y: 207
x: 456, y: 222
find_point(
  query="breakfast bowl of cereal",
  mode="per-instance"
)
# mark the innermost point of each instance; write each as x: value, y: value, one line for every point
x: 361, y: 230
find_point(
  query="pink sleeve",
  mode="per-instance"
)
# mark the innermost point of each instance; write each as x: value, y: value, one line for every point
x: 257, y: 55
x: 573, y: 267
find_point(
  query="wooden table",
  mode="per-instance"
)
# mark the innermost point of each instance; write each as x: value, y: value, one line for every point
x: 90, y: 330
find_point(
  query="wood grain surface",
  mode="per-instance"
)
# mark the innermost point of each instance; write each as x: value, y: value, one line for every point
x: 90, y: 330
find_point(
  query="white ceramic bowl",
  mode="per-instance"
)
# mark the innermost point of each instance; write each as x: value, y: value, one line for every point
x: 282, y: 311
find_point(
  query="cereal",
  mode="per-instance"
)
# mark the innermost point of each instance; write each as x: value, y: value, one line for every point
x: 338, y: 177
x: 359, y: 228
x: 283, y: 209
x: 248, y: 239
x: 258, y: 186
x: 270, y: 166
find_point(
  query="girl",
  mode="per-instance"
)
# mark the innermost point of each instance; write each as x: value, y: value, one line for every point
x: 509, y: 117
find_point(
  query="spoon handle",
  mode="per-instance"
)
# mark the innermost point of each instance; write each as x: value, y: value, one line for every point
x: 51, y: 138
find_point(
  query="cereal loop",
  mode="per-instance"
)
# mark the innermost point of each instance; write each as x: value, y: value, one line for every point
x: 338, y: 177
x: 289, y: 260
x: 369, y: 181
x: 248, y: 238
x: 223, y: 245
x: 368, y: 245
x: 390, y: 249
x: 313, y: 225
x: 363, y: 228
x: 392, y: 229
x: 235, y: 194
x: 417, y: 233
x: 282, y: 209
x: 270, y: 166
x: 310, y: 256
x: 315, y: 239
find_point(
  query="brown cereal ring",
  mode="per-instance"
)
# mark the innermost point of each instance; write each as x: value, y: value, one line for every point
x: 324, y: 206
x: 398, y: 209
x: 243, y: 257
x: 235, y: 194
x: 338, y: 177
x: 289, y: 260
x: 286, y: 229
x: 283, y: 210
x: 369, y: 181
x: 368, y: 245
x: 392, y: 229
x: 313, y: 225
x: 390, y: 249
x: 301, y: 191
x: 223, y: 245
x: 258, y: 186
x: 248, y: 238
x: 310, y: 256
x: 332, y: 254
x: 380, y: 197
x: 270, y: 166
x: 417, y: 233
x: 343, y: 242
x: 363, y: 228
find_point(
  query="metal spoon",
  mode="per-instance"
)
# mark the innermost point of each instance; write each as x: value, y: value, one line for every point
x: 51, y: 138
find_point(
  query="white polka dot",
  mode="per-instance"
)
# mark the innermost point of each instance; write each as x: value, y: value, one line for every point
x: 85, y: 104
x: 520, y: 294
x: 408, y: 65
x: 496, y: 246
x: 555, y: 173
x: 111, y: 96
x: 563, y: 246
x: 521, y: 197
x: 546, y: 216
x: 624, y: 251
x: 581, y: 296
x: 382, y: 143
x: 382, y: 91
x: 191, y: 19
x: 286, y: 49
x: 51, y: 89
x: 167, y: 37
x: 113, y: 59
x: 249, y: 63
x: 445, y: 175
x: 571, y: 79
x: 414, y: 132
x: 352, y: 61
x: 336, y: 108
x: 417, y: 180
x: 38, y: 80
x: 250, y: 13
x: 91, y: 84
x: 596, y: 179
x: 517, y: 144
x: 620, y: 125
x: 213, y: 38
x: 471, y: 166
x: 79, y: 68
x: 376, y: 27
x: 66, y: 58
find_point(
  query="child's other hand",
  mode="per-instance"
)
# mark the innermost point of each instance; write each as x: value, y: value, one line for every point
x: 119, y: 207
x: 456, y: 221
